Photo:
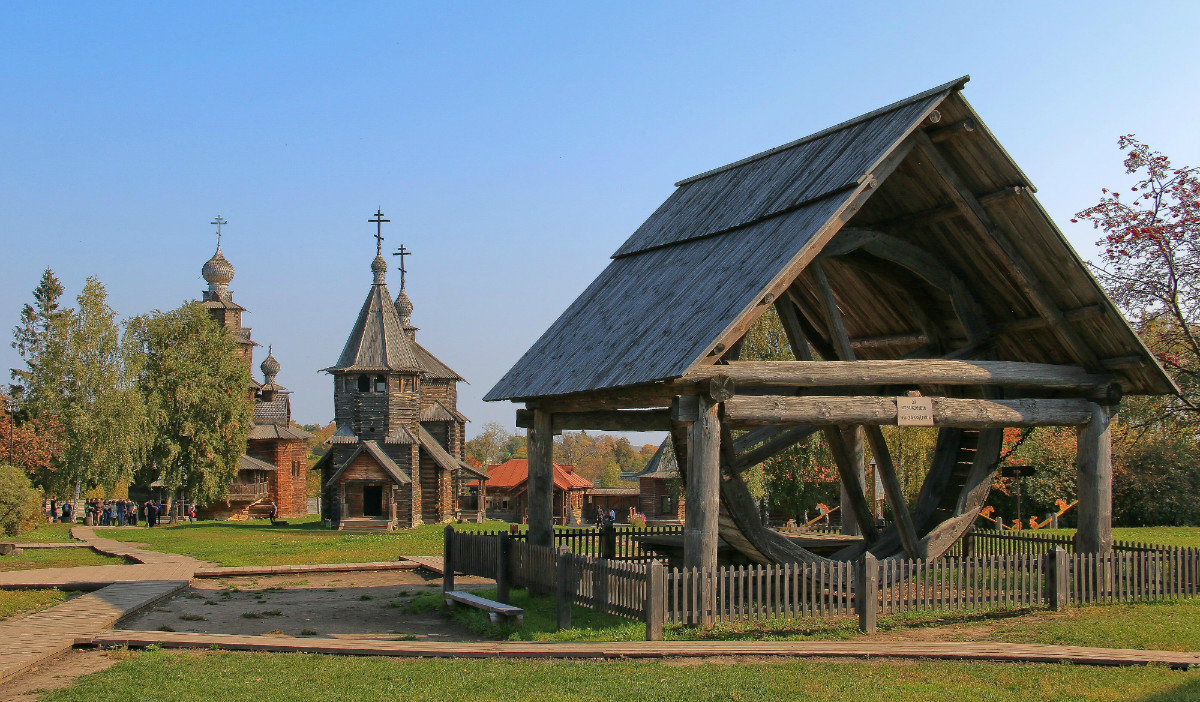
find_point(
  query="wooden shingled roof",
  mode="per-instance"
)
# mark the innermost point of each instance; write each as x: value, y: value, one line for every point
x: 689, y: 282
x: 377, y: 342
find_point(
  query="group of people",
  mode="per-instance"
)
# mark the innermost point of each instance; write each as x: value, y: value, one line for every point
x: 601, y: 519
x: 114, y: 512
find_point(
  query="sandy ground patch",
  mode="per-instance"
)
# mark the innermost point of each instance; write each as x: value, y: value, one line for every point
x: 58, y: 673
x: 342, y: 605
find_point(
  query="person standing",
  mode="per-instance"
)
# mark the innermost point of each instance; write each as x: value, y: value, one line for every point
x: 274, y: 512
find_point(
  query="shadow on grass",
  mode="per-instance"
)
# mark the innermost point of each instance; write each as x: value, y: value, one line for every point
x: 1189, y: 690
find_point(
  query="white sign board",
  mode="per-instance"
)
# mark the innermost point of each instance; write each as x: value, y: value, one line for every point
x: 914, y: 412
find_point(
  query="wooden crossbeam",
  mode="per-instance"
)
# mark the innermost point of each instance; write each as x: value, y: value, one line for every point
x: 931, y: 371
x: 825, y: 410
x: 604, y: 420
x: 1008, y: 256
x: 941, y: 213
x: 844, y: 456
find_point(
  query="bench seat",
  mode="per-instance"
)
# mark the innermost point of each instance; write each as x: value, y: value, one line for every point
x: 496, y: 610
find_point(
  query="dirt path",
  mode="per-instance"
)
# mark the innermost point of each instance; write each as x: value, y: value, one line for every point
x: 58, y: 673
x: 342, y: 605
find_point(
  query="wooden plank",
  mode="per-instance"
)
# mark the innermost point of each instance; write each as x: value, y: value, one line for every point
x: 743, y: 411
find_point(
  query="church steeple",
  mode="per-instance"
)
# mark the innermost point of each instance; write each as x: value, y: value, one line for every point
x: 404, y: 306
x: 218, y: 271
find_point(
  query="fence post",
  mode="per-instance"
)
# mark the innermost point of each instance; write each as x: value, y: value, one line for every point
x: 448, y: 560
x: 1056, y: 578
x: 656, y: 604
x: 564, y: 593
x: 503, y: 569
x: 866, y: 597
x: 968, y: 543
x: 608, y: 540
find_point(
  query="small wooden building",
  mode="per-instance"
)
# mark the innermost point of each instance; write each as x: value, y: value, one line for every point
x: 919, y: 281
x: 660, y: 488
x: 507, y: 492
x: 395, y: 460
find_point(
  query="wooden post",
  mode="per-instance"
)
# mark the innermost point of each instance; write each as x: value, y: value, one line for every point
x: 1093, y: 468
x: 656, y: 604
x: 564, y: 590
x: 608, y: 541
x: 504, y: 569
x: 448, y: 560
x: 541, y: 480
x: 854, y: 438
x: 1056, y: 572
x: 703, y: 489
x: 866, y: 595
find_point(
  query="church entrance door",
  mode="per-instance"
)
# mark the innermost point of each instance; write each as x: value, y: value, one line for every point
x: 372, y: 500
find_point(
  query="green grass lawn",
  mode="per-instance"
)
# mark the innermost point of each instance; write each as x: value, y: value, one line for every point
x: 203, y: 676
x: 31, y: 559
x: 1157, y: 536
x: 14, y: 602
x: 47, y: 532
x: 303, y: 541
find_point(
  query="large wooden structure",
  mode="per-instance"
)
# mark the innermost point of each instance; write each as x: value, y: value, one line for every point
x: 905, y: 254
x: 396, y: 457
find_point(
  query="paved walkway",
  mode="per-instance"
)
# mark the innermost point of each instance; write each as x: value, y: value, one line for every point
x: 148, y: 566
x: 28, y: 640
x: 1034, y: 653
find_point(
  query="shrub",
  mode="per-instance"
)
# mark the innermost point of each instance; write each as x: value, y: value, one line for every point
x: 20, y: 504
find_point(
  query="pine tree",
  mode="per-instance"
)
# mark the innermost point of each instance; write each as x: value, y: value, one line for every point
x: 39, y: 339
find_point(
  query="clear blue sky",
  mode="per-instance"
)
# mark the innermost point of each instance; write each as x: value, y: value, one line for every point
x: 514, y: 147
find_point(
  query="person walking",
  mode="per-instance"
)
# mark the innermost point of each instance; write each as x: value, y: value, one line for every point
x: 274, y: 512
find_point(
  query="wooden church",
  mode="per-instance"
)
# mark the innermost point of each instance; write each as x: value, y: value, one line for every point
x: 395, y: 460
x: 273, y: 467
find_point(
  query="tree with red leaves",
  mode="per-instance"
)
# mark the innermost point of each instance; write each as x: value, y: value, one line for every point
x: 1151, y: 267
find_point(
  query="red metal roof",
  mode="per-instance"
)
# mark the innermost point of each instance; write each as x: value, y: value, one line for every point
x: 515, y: 471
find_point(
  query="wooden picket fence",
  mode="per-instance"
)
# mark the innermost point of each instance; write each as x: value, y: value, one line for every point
x: 648, y: 591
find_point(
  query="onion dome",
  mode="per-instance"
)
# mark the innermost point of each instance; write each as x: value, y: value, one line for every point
x: 404, y: 307
x: 217, y: 272
x: 269, y: 367
x: 379, y: 269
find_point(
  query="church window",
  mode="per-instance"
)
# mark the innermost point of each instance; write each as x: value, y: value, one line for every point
x: 364, y: 383
x: 295, y: 469
x: 380, y: 383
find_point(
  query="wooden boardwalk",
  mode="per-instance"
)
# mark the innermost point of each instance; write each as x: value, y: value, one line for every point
x: 239, y: 571
x: 31, y: 639
x: 861, y: 650
x: 146, y: 566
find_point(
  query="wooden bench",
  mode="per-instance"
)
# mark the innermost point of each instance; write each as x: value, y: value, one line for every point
x: 495, y: 610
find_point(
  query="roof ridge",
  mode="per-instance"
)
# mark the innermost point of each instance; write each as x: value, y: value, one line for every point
x: 956, y: 84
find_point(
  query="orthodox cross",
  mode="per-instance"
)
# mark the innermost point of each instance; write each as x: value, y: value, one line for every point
x: 379, y: 220
x: 218, y: 221
x: 402, y: 252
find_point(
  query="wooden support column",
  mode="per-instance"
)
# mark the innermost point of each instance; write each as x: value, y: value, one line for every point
x: 857, y: 455
x: 893, y: 491
x: 541, y: 479
x: 703, y: 488
x: 853, y: 467
x: 1093, y: 468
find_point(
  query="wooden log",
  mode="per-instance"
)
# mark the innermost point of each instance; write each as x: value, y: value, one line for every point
x: 1093, y: 475
x: 925, y: 218
x: 784, y: 438
x: 540, y: 484
x: 904, y: 372
x: 833, y: 316
x: 893, y: 491
x: 856, y: 453
x: 703, y: 489
x: 950, y: 131
x: 947, y: 412
x: 655, y: 605
x: 854, y: 499
x: 603, y: 420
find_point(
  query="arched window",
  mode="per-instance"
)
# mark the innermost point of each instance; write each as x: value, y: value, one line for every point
x: 380, y: 383
x: 364, y: 383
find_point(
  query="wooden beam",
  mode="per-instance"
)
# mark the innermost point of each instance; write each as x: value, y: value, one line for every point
x: 833, y: 315
x: 783, y: 439
x: 941, y: 213
x: 824, y: 410
x: 1093, y: 478
x: 888, y: 340
x: 1016, y: 266
x: 854, y: 498
x: 893, y: 491
x: 1019, y: 325
x: 703, y: 489
x: 806, y: 374
x: 604, y: 420
x: 540, y: 483
x: 949, y: 131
